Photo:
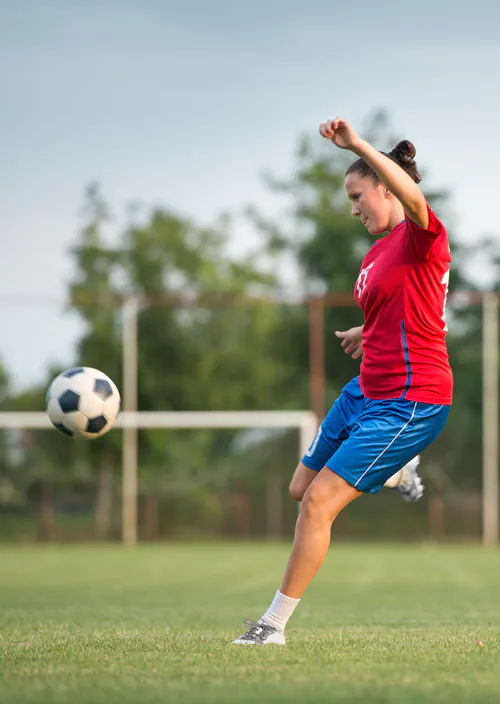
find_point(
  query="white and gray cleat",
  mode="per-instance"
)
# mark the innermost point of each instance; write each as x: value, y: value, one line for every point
x: 410, y: 486
x: 260, y: 633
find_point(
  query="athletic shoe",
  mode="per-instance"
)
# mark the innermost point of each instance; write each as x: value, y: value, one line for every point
x: 260, y: 633
x: 411, y: 487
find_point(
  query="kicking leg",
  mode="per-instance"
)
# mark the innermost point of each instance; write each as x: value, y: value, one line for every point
x: 301, y: 481
x: 408, y: 481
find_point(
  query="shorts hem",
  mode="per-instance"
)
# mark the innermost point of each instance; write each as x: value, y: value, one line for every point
x: 352, y: 481
x: 307, y: 463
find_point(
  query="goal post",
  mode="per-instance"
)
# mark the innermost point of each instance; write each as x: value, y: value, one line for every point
x: 306, y: 422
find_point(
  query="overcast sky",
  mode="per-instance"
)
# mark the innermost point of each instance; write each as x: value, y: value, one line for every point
x: 185, y: 103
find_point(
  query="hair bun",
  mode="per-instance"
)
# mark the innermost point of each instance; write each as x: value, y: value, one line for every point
x: 404, y: 155
x: 404, y: 150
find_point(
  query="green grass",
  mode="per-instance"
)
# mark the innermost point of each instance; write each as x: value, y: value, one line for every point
x: 379, y: 624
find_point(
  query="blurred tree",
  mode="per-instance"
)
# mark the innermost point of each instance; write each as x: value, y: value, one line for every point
x: 212, y: 355
x: 231, y: 349
x: 215, y: 354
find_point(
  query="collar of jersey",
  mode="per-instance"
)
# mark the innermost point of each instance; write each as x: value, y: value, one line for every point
x: 401, y: 223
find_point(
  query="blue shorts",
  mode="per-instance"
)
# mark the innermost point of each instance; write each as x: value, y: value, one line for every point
x: 365, y: 441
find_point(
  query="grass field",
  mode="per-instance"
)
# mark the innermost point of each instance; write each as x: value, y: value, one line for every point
x: 379, y: 624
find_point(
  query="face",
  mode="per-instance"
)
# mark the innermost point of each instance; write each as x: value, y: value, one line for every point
x: 370, y: 203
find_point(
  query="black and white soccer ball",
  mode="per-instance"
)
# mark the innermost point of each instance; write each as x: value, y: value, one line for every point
x: 83, y: 402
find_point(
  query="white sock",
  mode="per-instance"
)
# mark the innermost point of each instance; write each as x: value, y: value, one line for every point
x: 400, y: 476
x: 393, y: 481
x: 281, y: 609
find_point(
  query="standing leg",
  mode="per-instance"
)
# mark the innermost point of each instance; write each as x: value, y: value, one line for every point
x: 323, y: 501
x: 327, y: 495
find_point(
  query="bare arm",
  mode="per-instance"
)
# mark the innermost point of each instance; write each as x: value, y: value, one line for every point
x: 397, y: 181
x: 390, y: 174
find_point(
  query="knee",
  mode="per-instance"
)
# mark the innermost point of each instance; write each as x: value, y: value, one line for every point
x: 318, y: 506
x: 297, y: 490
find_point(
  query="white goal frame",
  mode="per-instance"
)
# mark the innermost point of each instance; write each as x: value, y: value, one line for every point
x: 306, y: 422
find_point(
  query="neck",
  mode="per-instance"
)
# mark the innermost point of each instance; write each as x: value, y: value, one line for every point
x: 397, y: 216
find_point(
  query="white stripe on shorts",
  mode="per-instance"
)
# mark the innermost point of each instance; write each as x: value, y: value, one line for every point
x: 388, y: 446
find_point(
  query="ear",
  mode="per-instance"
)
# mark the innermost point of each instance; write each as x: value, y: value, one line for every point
x: 387, y: 193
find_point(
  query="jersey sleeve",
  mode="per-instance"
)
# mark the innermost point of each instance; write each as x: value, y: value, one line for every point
x: 430, y: 242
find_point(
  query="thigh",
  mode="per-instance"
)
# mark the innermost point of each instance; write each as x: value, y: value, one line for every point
x: 387, y: 435
x: 328, y: 494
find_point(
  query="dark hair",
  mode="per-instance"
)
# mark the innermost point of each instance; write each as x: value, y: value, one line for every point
x: 403, y: 154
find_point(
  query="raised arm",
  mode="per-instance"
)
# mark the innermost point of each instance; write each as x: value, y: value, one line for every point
x: 390, y: 174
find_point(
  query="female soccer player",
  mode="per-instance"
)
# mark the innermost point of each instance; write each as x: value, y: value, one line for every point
x: 401, y: 400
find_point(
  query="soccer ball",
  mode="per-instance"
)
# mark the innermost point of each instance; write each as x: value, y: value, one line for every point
x: 83, y: 402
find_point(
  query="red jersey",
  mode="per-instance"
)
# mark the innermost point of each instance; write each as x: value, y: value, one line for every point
x: 401, y: 289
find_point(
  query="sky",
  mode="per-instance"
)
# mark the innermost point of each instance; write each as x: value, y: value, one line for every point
x: 186, y: 104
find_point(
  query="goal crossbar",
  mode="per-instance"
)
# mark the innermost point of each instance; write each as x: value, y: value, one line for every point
x: 305, y: 421
x: 130, y: 421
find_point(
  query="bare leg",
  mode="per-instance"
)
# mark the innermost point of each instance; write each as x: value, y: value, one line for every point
x: 301, y: 481
x: 323, y: 495
x: 327, y: 495
x: 303, y: 478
